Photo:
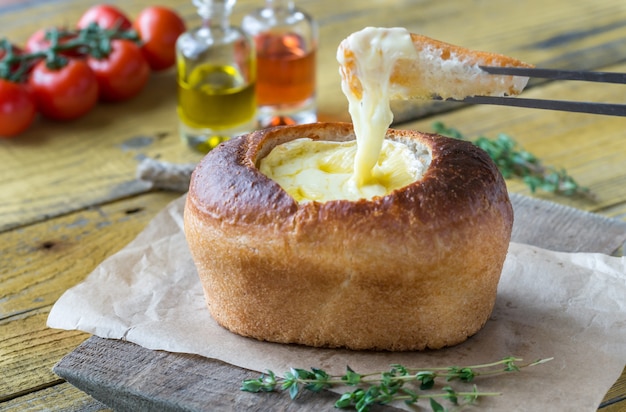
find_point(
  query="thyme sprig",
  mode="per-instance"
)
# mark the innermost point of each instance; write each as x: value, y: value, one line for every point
x: 92, y: 40
x: 399, y: 383
x: 513, y: 161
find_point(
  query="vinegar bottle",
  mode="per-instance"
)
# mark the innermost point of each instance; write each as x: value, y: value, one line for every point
x: 216, y: 72
x: 286, y: 44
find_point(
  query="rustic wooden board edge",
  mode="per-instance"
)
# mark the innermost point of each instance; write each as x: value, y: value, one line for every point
x: 571, y: 229
x: 156, y: 383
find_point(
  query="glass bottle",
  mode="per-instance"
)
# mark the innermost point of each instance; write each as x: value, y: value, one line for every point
x: 216, y: 72
x: 286, y: 45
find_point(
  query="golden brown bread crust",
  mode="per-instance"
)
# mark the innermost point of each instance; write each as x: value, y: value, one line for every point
x: 415, y: 269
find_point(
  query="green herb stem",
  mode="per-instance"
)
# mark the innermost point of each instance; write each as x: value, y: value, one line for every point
x: 513, y: 161
x: 390, y: 386
x: 93, y: 41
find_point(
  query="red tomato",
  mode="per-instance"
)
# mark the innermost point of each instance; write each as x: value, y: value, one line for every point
x: 37, y: 42
x: 123, y: 73
x: 158, y: 28
x: 66, y: 93
x: 106, y: 16
x: 17, y: 108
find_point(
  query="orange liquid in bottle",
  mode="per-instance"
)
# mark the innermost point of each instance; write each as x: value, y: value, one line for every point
x: 285, y: 70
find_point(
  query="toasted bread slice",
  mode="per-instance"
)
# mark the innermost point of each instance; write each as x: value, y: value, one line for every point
x: 436, y: 69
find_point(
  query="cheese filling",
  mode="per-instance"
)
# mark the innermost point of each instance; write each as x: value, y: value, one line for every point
x: 370, y: 166
x: 366, y: 61
x: 322, y: 170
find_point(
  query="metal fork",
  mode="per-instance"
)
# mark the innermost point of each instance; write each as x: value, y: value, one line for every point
x: 609, y: 109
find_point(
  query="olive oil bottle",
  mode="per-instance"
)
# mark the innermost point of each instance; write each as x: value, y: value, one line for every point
x: 216, y: 73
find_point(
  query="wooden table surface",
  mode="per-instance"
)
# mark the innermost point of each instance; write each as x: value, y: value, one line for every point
x: 70, y: 198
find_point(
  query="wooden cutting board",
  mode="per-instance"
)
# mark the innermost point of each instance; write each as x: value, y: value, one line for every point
x: 128, y: 377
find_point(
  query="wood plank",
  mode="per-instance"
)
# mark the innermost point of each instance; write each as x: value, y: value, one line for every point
x: 616, y: 211
x: 94, y: 158
x: 38, y: 263
x: 92, y: 164
x: 564, y: 228
x: 28, y: 352
x: 109, y: 381
x: 615, y: 399
x: 61, y: 397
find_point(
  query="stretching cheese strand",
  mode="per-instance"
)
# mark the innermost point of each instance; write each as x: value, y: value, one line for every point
x: 366, y: 63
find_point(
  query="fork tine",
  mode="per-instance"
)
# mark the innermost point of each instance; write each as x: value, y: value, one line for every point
x: 608, y: 109
x: 557, y: 74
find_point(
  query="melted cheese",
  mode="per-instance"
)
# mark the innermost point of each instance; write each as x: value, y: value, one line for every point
x: 366, y: 61
x: 370, y: 166
x: 323, y: 170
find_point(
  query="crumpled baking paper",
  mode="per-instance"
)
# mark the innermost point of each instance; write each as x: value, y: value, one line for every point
x: 571, y: 307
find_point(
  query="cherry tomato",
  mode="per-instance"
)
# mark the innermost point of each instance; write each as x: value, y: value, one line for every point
x: 106, y: 16
x: 17, y: 108
x: 158, y: 28
x: 66, y: 93
x: 123, y: 73
x: 37, y: 42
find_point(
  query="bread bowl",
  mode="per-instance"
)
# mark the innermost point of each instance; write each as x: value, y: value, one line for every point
x: 417, y: 268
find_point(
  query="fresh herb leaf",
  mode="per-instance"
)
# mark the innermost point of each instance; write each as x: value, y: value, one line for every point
x: 351, y: 377
x: 266, y: 383
x: 436, y: 406
x: 389, y: 386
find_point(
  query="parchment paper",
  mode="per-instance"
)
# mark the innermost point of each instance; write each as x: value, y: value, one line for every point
x: 568, y: 306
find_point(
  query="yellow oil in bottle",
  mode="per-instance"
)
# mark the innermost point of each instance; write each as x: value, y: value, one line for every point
x: 214, y: 103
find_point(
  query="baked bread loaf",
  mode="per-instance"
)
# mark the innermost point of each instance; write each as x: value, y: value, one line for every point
x: 415, y: 269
